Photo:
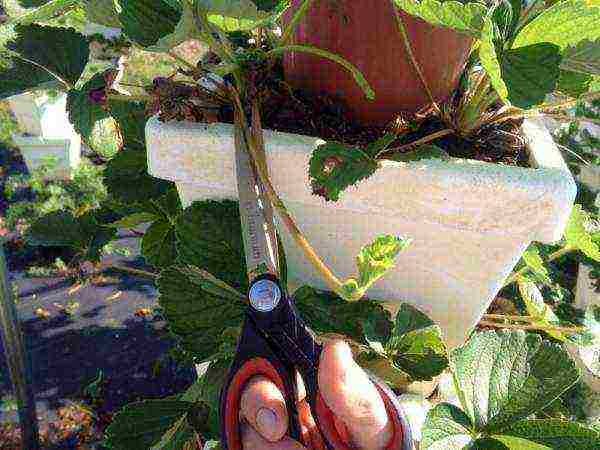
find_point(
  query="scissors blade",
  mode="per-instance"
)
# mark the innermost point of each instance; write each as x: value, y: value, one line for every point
x: 260, y: 243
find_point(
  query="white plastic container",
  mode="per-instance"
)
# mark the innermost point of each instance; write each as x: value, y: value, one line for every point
x: 47, y: 133
x: 469, y: 221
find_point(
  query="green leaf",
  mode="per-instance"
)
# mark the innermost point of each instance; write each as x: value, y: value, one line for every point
x: 43, y: 11
x: 564, y: 24
x: 422, y: 153
x: 466, y: 18
x: 102, y: 12
x: 84, y: 113
x: 577, y: 236
x: 59, y: 229
x: 489, y: 59
x: 157, y: 25
x: 380, y: 145
x: 240, y: 15
x: 198, y: 308
x: 532, y: 259
x: 237, y: 9
x: 584, y: 57
x: 373, y: 261
x: 62, y: 52
x: 326, y: 312
x: 158, y: 244
x: 446, y: 428
x: 416, y: 345
x: 127, y: 180
x: 133, y: 220
x: 131, y: 118
x: 17, y: 76
x: 504, y: 376
x: 573, y: 84
x: 530, y: 73
x: 334, y: 167
x: 537, y: 309
x: 140, y: 425
x: 554, y: 434
x: 209, y: 236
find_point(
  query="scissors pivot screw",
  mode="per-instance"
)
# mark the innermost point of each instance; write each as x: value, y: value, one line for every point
x: 264, y: 295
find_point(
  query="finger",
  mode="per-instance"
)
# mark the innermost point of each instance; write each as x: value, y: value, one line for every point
x: 251, y: 440
x: 262, y: 405
x: 352, y: 397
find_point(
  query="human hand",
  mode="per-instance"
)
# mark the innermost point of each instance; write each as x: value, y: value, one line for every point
x: 360, y: 415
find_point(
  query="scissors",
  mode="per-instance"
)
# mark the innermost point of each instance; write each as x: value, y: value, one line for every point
x: 274, y: 341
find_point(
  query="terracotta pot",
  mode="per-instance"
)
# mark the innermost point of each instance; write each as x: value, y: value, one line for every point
x: 365, y: 32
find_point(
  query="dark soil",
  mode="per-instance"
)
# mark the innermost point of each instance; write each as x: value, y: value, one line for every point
x: 296, y: 111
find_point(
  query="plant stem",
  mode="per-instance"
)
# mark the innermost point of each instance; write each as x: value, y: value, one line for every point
x: 421, y: 141
x: 411, y: 55
x: 508, y: 317
x: 354, y: 71
x: 132, y: 271
x: 555, y: 255
x: 332, y: 281
x: 485, y: 323
x: 180, y: 60
x: 291, y: 26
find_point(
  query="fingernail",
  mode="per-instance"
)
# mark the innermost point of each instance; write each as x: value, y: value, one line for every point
x: 266, y: 421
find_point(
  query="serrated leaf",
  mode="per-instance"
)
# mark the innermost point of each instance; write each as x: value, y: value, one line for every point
x: 84, y: 113
x: 552, y: 434
x: 537, y: 309
x: 133, y: 220
x: 416, y: 345
x: 446, y: 428
x: 62, y: 52
x: 532, y: 259
x: 158, y: 244
x: 504, y: 376
x: 326, y: 312
x: 157, y: 25
x: 102, y: 12
x: 198, y: 308
x: 58, y: 228
x: 489, y: 59
x: 17, y: 76
x: 209, y: 236
x: 372, y: 262
x: 131, y: 118
x: 530, y: 73
x: 334, y: 167
x: 238, y: 9
x: 466, y: 18
x: 583, y: 57
x: 424, y: 152
x: 573, y: 84
x: 140, y: 425
x: 577, y: 235
x: 380, y: 144
x: 239, y: 15
x: 44, y: 10
x: 564, y: 24
x: 127, y: 180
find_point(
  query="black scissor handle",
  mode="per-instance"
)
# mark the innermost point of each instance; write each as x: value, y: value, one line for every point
x: 283, y: 346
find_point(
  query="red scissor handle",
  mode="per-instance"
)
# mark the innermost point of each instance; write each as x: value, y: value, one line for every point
x: 278, y: 345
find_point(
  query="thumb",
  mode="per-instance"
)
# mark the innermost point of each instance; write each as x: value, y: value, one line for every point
x: 353, y: 399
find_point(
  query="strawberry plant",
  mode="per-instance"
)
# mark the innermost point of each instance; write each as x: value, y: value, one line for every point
x: 520, y: 55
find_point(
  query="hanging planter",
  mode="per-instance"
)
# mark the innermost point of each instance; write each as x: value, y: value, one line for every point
x: 469, y: 221
x: 365, y: 33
